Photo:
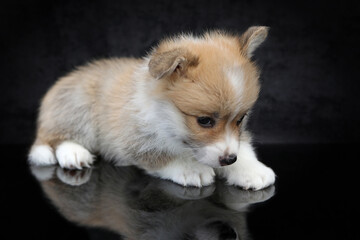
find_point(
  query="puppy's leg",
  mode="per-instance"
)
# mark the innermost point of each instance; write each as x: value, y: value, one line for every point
x: 247, y: 171
x: 186, y: 172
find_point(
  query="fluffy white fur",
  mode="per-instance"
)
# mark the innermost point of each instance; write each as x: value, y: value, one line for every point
x: 71, y: 155
x: 187, y: 171
x: 247, y: 171
x: 42, y: 155
x: 235, y: 76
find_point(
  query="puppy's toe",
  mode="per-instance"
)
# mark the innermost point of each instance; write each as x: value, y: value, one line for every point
x: 192, y: 179
x: 207, y: 177
x: 198, y: 176
x: 73, y: 156
x: 186, y: 173
x: 257, y: 177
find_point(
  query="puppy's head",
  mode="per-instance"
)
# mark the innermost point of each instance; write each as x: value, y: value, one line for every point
x: 213, y: 84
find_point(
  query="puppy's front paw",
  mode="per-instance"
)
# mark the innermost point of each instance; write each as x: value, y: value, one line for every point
x: 73, y: 156
x: 197, y: 177
x: 254, y: 176
x: 186, y: 173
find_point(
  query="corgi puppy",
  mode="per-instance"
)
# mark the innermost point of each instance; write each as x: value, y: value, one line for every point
x: 179, y: 113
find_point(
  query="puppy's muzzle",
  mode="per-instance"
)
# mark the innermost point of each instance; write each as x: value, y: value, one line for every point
x: 227, y: 160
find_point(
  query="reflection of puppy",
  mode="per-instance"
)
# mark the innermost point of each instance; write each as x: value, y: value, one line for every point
x: 136, y: 206
x: 179, y: 113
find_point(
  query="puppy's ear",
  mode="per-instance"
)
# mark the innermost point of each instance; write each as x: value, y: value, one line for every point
x: 176, y: 61
x: 252, y: 39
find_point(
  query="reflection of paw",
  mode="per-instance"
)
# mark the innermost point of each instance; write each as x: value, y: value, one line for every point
x: 186, y: 193
x: 186, y: 173
x: 73, y: 156
x: 74, y: 177
x: 43, y: 173
x: 254, y: 175
x: 238, y: 199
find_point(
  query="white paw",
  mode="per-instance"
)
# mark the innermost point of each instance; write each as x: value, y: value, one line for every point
x: 254, y: 176
x: 41, y: 155
x: 73, y: 156
x: 187, y: 173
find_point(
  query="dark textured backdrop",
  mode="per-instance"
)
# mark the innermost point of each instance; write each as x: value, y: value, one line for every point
x: 309, y: 62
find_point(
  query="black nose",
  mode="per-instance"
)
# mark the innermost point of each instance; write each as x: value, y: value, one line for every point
x: 228, y: 160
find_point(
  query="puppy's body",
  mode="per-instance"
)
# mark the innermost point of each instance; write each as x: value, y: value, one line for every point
x: 179, y: 113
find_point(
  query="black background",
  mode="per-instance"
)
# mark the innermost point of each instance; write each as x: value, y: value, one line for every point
x: 310, y: 89
x: 309, y: 62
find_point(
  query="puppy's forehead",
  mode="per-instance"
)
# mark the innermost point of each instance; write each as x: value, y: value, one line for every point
x: 243, y: 78
x: 223, y: 82
x: 235, y: 76
x: 228, y: 87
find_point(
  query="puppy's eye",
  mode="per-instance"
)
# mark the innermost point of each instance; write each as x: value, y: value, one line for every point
x: 240, y: 120
x: 206, y: 122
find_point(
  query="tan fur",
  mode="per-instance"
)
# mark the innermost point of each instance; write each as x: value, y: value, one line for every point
x: 165, y: 63
x: 251, y: 39
x: 88, y: 82
x: 204, y: 91
x: 97, y: 105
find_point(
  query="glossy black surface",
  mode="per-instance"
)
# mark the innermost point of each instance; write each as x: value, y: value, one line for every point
x: 315, y: 197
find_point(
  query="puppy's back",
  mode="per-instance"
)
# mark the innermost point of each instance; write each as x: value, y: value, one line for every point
x: 71, y: 108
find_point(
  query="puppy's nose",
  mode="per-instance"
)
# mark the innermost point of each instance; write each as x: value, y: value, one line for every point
x: 228, y: 160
